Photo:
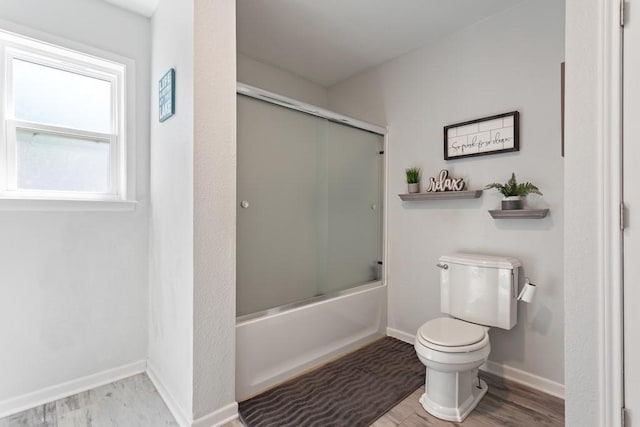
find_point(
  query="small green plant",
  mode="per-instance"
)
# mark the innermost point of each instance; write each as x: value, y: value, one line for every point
x: 513, y: 188
x: 413, y: 175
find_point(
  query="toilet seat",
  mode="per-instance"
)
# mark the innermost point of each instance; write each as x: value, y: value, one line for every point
x: 449, y: 335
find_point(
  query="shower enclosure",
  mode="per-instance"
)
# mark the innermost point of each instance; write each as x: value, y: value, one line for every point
x: 309, y: 236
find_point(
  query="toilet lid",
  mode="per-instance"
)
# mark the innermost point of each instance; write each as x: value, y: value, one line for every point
x: 451, y: 332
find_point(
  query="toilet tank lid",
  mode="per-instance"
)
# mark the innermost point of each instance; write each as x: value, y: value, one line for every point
x: 481, y: 260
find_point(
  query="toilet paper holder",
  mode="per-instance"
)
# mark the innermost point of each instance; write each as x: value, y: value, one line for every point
x: 527, y: 292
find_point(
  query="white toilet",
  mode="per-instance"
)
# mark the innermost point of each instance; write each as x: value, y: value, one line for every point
x: 479, y: 292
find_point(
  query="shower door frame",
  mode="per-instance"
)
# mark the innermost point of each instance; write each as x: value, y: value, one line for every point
x: 293, y: 104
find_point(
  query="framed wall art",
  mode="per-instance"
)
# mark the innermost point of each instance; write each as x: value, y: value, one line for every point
x: 480, y: 137
x: 167, y: 95
x: 562, y: 75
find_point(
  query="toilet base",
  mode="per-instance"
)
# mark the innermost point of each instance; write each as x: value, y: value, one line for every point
x: 455, y: 413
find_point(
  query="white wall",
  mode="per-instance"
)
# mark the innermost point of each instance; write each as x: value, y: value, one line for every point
x: 171, y: 229
x: 214, y: 211
x: 510, y: 61
x: 273, y: 79
x: 73, y: 293
x: 192, y: 265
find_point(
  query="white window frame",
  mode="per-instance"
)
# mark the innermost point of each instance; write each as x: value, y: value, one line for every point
x: 120, y: 195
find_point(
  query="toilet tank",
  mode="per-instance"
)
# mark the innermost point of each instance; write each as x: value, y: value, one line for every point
x: 480, y: 289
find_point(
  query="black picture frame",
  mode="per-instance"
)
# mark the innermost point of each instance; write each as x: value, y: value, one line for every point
x: 483, y: 141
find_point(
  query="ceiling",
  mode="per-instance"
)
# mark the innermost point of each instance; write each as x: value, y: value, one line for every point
x: 327, y: 41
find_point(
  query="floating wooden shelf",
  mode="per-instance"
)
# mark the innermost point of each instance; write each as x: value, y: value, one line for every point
x: 440, y: 195
x: 519, y: 213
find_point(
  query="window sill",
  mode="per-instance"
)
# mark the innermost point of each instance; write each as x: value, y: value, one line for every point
x: 50, y: 205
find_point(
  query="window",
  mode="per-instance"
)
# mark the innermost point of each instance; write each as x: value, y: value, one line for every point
x: 63, y: 124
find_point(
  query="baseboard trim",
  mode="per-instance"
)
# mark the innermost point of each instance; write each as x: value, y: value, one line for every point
x: 59, y: 391
x: 525, y: 378
x: 181, y: 416
x: 219, y: 417
x: 516, y: 375
x: 214, y: 419
x: 401, y: 335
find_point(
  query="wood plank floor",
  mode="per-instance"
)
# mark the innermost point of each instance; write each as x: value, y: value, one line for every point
x: 505, y: 404
x: 132, y: 402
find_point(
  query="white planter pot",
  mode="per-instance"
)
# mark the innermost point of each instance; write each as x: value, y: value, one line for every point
x: 414, y: 187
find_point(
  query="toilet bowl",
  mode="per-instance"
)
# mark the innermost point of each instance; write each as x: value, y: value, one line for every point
x: 452, y: 351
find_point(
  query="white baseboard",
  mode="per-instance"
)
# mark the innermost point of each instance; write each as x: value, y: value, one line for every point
x: 402, y: 336
x: 218, y: 417
x: 504, y: 371
x: 69, y: 388
x: 525, y: 378
x: 49, y: 394
x: 214, y: 419
x: 183, y: 418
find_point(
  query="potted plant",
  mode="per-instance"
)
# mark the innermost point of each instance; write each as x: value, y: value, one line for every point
x: 514, y: 192
x: 413, y: 179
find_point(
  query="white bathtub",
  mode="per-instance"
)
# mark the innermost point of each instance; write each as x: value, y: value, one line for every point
x: 274, y: 347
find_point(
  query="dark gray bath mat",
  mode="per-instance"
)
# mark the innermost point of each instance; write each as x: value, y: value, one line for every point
x: 352, y: 391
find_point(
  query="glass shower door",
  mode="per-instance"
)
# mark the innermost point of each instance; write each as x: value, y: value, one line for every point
x: 309, y: 217
x: 353, y: 202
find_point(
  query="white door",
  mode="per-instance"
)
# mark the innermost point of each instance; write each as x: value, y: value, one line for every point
x: 631, y: 191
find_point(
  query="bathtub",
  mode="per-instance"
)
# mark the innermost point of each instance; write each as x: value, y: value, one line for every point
x: 275, y: 345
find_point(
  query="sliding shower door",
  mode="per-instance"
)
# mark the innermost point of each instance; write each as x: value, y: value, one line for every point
x: 309, y: 206
x: 352, y: 200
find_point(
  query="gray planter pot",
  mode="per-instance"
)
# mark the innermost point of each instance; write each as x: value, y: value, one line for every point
x: 414, y: 187
x: 512, y: 203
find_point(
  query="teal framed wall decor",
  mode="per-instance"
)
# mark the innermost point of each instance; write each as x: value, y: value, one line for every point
x: 167, y: 95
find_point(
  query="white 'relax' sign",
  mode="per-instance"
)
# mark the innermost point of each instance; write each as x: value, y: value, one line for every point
x: 490, y: 135
x: 444, y: 183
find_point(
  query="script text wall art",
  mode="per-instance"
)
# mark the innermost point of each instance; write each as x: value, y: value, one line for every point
x: 490, y: 135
